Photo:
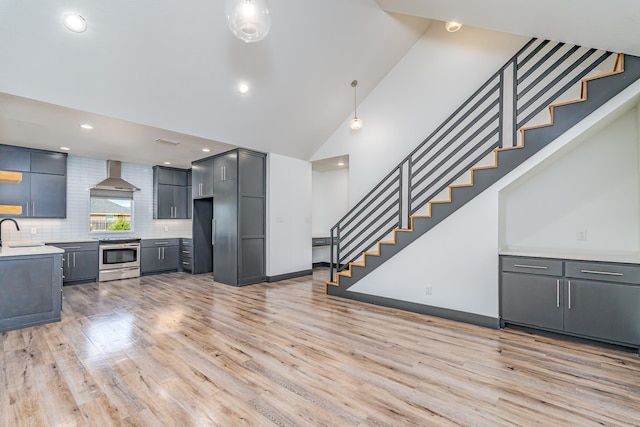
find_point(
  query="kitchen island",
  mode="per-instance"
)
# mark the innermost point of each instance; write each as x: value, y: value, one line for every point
x: 30, y: 286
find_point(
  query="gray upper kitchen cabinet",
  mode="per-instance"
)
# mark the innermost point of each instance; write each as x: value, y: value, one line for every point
x: 239, y: 204
x: 225, y: 167
x: 170, y: 193
x: 15, y: 159
x: 48, y: 196
x: 202, y: 178
x: 43, y: 190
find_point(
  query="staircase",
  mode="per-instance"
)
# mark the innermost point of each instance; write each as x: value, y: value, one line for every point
x: 540, y: 93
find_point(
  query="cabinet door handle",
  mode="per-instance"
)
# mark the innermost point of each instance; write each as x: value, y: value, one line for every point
x: 604, y: 273
x: 74, y: 260
x: 558, y: 293
x: 33, y: 208
x: 537, y: 267
x: 213, y: 232
x: 569, y: 295
x: 159, y: 252
x: 162, y: 253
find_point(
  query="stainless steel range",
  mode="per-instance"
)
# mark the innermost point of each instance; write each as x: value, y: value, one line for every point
x: 119, y: 258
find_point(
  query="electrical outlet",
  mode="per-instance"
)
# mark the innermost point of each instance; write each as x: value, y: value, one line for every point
x: 428, y: 290
x: 34, y: 230
x: 581, y: 235
x: 166, y: 228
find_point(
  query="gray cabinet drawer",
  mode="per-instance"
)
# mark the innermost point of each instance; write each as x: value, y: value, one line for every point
x: 540, y: 266
x: 76, y: 246
x: 620, y: 273
x: 154, y: 243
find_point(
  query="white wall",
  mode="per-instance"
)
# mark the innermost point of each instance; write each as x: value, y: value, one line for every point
x: 330, y: 203
x: 591, y: 190
x: 82, y: 174
x: 288, y: 215
x: 432, y: 80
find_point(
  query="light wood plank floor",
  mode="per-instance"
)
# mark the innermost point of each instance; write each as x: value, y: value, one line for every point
x: 180, y: 350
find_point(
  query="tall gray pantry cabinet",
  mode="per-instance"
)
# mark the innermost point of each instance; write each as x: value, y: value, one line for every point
x: 231, y: 225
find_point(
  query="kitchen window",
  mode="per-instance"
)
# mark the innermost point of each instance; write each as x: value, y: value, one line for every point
x: 111, y: 211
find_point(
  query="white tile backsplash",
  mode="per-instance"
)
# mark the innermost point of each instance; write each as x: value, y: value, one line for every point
x: 82, y: 174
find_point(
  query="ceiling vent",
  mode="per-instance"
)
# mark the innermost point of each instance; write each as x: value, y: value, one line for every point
x: 167, y: 142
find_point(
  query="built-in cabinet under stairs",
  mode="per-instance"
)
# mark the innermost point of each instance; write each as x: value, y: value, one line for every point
x: 497, y: 129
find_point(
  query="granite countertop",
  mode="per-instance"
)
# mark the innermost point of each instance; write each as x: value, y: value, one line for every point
x: 6, y: 251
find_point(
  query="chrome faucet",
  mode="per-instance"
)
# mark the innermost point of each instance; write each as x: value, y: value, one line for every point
x: 7, y: 219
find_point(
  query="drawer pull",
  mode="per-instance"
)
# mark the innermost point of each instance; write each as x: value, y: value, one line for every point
x: 70, y: 247
x: 604, y: 273
x: 161, y: 243
x: 537, y: 267
x: 185, y: 263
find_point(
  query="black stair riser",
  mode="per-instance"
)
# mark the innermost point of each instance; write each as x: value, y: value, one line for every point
x: 599, y: 92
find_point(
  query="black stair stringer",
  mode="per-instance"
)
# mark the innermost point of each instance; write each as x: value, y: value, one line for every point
x: 599, y: 91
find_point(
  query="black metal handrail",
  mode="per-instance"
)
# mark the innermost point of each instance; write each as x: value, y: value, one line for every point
x: 539, y: 74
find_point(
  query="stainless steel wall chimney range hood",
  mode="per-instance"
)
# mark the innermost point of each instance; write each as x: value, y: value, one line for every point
x: 114, y: 179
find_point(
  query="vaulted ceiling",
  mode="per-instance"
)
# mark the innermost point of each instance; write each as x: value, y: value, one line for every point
x: 145, y: 70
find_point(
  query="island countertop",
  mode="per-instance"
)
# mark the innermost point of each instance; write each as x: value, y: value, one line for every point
x: 6, y: 251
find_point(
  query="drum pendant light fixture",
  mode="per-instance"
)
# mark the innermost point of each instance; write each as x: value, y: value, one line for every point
x: 249, y: 20
x: 355, y: 123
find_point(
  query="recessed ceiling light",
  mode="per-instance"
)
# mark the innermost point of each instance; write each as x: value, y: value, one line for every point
x: 86, y: 126
x: 206, y: 150
x: 75, y: 22
x: 243, y: 88
x: 452, y: 26
x: 167, y: 163
x: 65, y: 148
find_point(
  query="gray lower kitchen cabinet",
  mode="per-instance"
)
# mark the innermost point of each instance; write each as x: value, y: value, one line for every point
x: 186, y: 255
x: 159, y: 255
x: 595, y: 300
x: 80, y: 261
x: 31, y: 289
x: 170, y: 193
x: 532, y: 300
x: 43, y: 190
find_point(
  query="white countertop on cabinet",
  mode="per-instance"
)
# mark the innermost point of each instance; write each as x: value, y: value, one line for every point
x: 29, y: 250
